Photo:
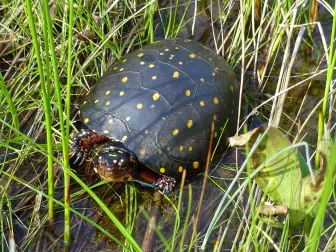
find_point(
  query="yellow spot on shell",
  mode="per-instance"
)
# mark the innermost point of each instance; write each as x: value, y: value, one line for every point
x: 115, y: 68
x: 215, y: 100
x: 231, y: 88
x: 176, y: 74
x: 143, y: 151
x: 124, y: 80
x: 181, y: 148
x: 176, y: 47
x: 162, y: 170
x: 180, y: 63
x: 96, y: 101
x: 196, y: 164
x: 180, y: 169
x: 84, y: 102
x: 124, y: 138
x: 213, y: 73
x: 154, y: 77
x: 202, y: 79
x: 121, y: 93
x: 139, y: 106
x: 167, y: 49
x: 189, y: 124
x: 128, y: 118
x: 142, y: 63
x: 161, y: 53
x: 159, y: 151
x: 156, y: 96
x: 107, y: 103
x: 190, y: 148
x: 215, y: 134
x: 86, y: 120
x: 140, y: 55
x: 221, y: 128
x: 192, y: 55
x: 107, y: 92
x: 151, y: 66
x: 121, y: 69
x: 110, y: 121
x: 175, y: 132
x: 146, y: 131
x: 187, y: 92
x: 202, y: 103
x: 214, y: 117
x: 124, y: 60
x: 106, y: 131
x: 168, y: 148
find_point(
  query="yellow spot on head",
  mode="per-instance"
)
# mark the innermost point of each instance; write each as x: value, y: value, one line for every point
x: 192, y: 55
x: 142, y: 63
x: 231, y: 88
x: 143, y: 151
x: 154, y: 77
x: 187, y: 92
x: 159, y: 151
x: 121, y: 69
x: 180, y: 169
x: 189, y: 124
x: 176, y: 74
x: 84, y: 102
x: 217, y: 68
x: 156, y: 96
x: 215, y: 134
x: 202, y: 79
x: 175, y: 132
x: 128, y: 118
x: 123, y: 138
x: 110, y: 121
x: 124, y: 60
x: 139, y: 106
x: 190, y: 148
x: 140, y: 55
x: 115, y: 161
x: 215, y: 100
x: 162, y: 170
x: 121, y: 93
x: 86, y: 120
x: 213, y: 73
x: 96, y: 101
x: 181, y: 148
x: 196, y: 164
x: 106, y: 131
x: 202, y: 103
x: 168, y: 148
x: 124, y: 80
x: 221, y: 128
x: 107, y: 92
x: 151, y: 66
x: 115, y: 68
x: 108, y: 103
x: 214, y: 117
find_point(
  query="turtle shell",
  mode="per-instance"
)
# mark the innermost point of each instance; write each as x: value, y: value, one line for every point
x: 160, y: 101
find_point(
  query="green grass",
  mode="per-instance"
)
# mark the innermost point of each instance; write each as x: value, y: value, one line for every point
x: 51, y: 53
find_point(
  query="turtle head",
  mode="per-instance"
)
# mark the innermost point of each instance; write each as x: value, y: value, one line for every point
x: 114, y: 163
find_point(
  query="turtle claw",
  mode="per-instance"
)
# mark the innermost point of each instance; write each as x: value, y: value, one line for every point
x: 165, y: 184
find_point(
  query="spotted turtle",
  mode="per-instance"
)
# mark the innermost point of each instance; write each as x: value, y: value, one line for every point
x: 154, y: 109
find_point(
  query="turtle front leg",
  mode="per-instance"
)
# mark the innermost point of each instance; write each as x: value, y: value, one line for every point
x: 165, y: 184
x: 82, y: 144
